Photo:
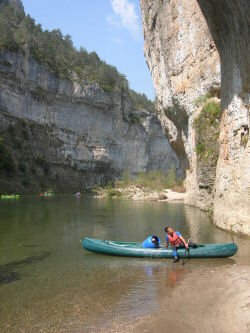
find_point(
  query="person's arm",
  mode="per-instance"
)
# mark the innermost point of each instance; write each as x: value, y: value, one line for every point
x: 167, y: 242
x: 183, y: 240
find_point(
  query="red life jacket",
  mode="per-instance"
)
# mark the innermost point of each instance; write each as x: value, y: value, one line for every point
x: 175, y: 239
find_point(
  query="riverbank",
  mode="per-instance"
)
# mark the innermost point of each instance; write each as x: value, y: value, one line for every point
x: 227, y: 313
x: 134, y: 192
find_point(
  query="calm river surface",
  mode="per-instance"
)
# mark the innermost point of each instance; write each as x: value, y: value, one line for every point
x: 48, y: 283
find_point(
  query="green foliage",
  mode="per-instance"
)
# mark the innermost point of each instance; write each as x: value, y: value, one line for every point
x: 22, y: 166
x: 155, y: 179
x: 109, y: 186
x: 111, y: 191
x: 33, y: 170
x: 203, y: 99
x: 26, y: 181
x: 171, y: 179
x: 212, y: 110
x: 207, y: 132
x: 141, y: 101
x: 44, y: 164
x: 6, y: 160
x: 125, y: 177
x: 200, y: 148
x: 25, y: 134
x: 209, y: 116
x: 19, y: 32
x: 134, y: 118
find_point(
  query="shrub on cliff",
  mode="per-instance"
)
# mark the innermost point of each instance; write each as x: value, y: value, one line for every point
x: 203, y: 99
x: 207, y: 132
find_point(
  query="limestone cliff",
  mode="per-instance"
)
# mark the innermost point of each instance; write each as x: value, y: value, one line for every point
x: 71, y: 133
x: 198, y: 49
x: 229, y: 23
x: 184, y: 63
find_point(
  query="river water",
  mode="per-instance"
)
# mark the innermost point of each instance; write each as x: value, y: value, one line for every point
x: 48, y: 283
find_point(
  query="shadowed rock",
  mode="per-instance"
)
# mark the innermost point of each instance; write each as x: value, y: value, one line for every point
x: 8, y: 271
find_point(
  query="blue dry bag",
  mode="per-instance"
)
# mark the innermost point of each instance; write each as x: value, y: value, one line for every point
x: 148, y: 244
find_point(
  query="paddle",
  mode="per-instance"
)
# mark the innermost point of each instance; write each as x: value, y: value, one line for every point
x: 186, y: 250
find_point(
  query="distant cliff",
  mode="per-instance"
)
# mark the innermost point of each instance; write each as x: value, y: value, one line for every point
x: 71, y: 135
x: 198, y: 55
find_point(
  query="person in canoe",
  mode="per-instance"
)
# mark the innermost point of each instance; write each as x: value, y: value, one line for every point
x: 176, y: 241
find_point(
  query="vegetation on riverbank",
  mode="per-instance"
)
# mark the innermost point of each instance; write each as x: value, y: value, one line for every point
x: 20, y: 33
x: 150, y: 185
x: 154, y: 179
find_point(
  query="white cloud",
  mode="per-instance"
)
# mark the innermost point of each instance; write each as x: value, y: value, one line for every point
x: 113, y: 21
x: 126, y: 12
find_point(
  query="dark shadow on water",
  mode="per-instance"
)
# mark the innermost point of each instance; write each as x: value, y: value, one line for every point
x: 8, y: 276
x: 206, y: 261
x: 212, y: 261
x: 28, y: 245
x: 8, y: 271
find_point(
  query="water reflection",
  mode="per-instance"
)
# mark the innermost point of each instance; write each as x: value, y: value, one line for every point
x: 174, y: 276
x: 173, y: 273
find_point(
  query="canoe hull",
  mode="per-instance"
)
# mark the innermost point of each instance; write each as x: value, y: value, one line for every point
x: 132, y: 249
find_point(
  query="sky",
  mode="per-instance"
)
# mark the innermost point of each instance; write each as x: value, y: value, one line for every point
x: 111, y: 28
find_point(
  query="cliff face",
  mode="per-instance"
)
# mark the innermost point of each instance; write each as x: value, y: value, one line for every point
x: 92, y: 136
x: 184, y: 64
x: 228, y: 24
x: 194, y: 50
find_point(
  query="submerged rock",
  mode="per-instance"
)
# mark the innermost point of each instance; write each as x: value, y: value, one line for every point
x: 9, y: 273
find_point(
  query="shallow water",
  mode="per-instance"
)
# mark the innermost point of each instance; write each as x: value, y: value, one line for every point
x: 48, y: 283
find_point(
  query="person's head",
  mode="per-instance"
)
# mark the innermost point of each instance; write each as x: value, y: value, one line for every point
x: 169, y: 230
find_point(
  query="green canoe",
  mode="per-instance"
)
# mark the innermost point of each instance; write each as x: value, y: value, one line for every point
x: 132, y: 249
x: 10, y: 196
